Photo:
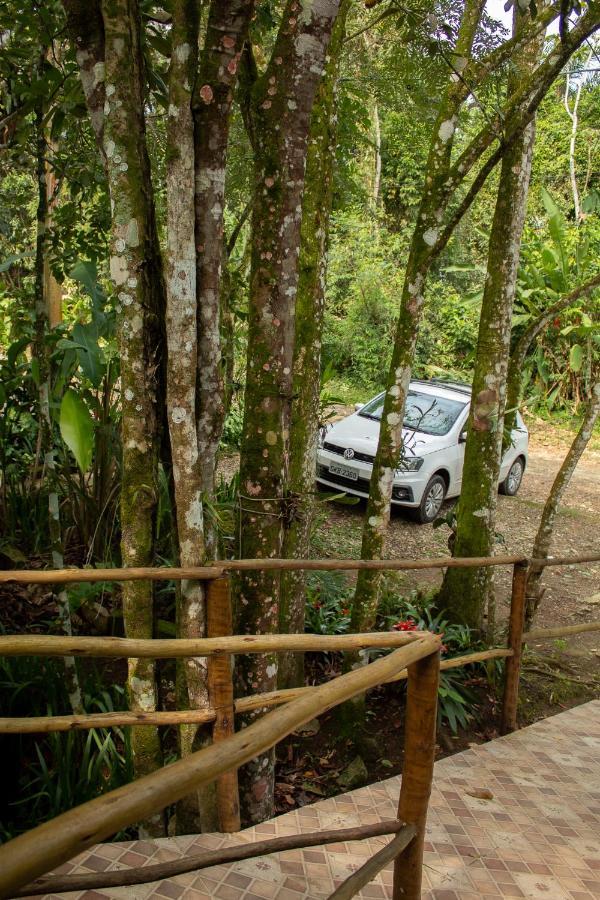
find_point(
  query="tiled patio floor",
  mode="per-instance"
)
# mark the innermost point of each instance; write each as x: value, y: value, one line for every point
x: 538, y: 837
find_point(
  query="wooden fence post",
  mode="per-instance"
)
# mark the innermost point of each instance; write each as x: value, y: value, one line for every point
x: 515, y: 643
x: 219, y: 623
x: 417, y: 772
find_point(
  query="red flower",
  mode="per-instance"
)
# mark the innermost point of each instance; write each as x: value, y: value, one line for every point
x: 405, y: 625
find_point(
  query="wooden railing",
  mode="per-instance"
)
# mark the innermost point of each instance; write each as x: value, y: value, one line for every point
x: 415, y: 657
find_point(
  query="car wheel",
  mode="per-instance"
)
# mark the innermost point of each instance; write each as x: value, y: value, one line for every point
x: 431, y: 501
x: 512, y: 482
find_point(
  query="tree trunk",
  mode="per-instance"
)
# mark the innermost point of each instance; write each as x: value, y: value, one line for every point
x: 543, y: 538
x: 196, y: 812
x: 86, y: 30
x: 42, y: 352
x: 310, y: 302
x: 196, y: 157
x: 420, y: 257
x: 137, y: 277
x: 282, y: 102
x: 226, y: 34
x: 466, y: 592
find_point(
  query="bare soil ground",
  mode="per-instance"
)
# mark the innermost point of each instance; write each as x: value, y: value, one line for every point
x: 570, y: 591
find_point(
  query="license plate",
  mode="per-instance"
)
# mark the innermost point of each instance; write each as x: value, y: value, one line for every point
x: 352, y: 474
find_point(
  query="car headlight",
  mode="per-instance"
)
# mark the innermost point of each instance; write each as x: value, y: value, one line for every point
x: 410, y: 464
x: 320, y: 438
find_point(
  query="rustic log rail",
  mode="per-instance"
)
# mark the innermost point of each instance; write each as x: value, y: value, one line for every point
x: 215, y: 569
x: 87, y: 881
x: 47, y: 724
x: 415, y: 656
x: 30, y: 855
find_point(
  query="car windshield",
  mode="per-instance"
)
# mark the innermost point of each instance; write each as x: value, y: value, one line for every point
x: 423, y: 412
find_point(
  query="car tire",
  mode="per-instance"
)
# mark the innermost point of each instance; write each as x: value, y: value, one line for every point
x: 431, y: 501
x: 514, y: 477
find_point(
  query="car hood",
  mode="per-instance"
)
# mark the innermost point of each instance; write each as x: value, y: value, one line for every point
x: 362, y: 434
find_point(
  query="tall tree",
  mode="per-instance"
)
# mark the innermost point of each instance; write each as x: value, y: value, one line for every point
x: 436, y: 221
x: 543, y: 538
x: 310, y: 304
x: 107, y: 37
x: 279, y: 120
x: 465, y: 592
x: 422, y: 246
x: 199, y: 114
x: 43, y: 354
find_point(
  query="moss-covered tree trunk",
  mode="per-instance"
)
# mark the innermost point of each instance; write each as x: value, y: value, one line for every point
x: 282, y: 101
x: 137, y: 278
x: 436, y: 224
x: 310, y: 303
x: 543, y: 538
x: 466, y: 593
x: 421, y: 255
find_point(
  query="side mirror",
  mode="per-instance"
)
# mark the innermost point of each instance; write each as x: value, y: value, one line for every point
x: 462, y: 438
x: 358, y: 406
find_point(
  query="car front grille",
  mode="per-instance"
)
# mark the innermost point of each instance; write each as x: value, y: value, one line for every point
x: 334, y: 448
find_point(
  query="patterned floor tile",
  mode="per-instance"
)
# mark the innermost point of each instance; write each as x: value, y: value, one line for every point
x: 536, y: 837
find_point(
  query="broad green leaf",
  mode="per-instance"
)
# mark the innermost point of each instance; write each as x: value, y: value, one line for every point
x: 88, y: 351
x: 576, y: 357
x: 6, y: 264
x: 77, y: 429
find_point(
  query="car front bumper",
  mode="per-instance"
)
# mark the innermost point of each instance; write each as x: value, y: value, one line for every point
x: 406, y: 491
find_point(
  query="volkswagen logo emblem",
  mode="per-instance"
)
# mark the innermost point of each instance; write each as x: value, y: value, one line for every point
x: 349, y: 453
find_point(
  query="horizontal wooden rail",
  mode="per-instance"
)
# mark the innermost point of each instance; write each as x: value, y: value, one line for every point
x: 548, y: 634
x: 89, y: 881
x: 168, y: 648
x: 49, y: 845
x: 216, y: 569
x: 373, y: 866
x: 47, y: 724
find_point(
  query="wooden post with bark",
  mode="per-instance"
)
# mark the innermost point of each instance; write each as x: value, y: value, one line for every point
x: 219, y: 621
x: 417, y: 774
x: 515, y: 643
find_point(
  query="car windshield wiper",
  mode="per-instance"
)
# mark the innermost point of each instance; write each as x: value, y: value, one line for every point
x: 367, y: 415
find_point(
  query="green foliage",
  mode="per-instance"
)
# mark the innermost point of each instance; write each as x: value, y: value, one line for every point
x: 49, y: 774
x: 417, y: 613
x: 77, y: 428
x: 232, y: 429
x: 83, y: 403
x: 555, y: 260
x: 328, y: 599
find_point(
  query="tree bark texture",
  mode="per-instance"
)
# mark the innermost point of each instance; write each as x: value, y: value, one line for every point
x: 310, y: 304
x: 465, y: 596
x: 282, y: 100
x: 227, y: 29
x: 137, y: 277
x: 420, y: 257
x: 194, y: 813
x: 86, y: 30
x: 543, y: 538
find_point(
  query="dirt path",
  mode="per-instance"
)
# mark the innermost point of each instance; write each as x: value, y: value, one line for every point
x: 572, y: 594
